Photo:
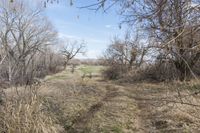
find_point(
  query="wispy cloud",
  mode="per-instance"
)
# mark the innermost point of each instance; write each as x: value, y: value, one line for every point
x: 95, y: 33
x: 94, y: 46
x: 68, y: 37
x: 89, y: 40
x: 112, y: 27
x: 108, y: 26
x: 91, y: 54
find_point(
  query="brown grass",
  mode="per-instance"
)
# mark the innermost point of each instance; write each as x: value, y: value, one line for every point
x: 65, y: 103
x: 24, y: 114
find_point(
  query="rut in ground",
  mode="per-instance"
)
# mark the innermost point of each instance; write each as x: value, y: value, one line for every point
x: 155, y: 115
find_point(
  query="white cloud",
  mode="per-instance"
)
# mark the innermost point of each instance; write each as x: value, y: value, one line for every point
x: 77, y: 38
x: 108, y: 26
x: 68, y: 37
x: 94, y: 46
x: 114, y: 27
x: 91, y: 54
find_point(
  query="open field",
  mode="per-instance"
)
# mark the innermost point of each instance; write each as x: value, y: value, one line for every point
x: 100, y: 66
x: 90, y: 69
x: 92, y: 105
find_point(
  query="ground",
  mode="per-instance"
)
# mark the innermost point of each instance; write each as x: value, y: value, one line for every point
x: 90, y: 104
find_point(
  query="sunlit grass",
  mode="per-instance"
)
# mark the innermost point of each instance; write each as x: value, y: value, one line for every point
x: 87, y: 69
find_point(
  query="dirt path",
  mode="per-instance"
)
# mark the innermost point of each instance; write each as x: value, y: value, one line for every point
x: 80, y: 122
x: 97, y: 106
x: 147, y: 117
x: 119, y: 109
x: 150, y: 120
x: 155, y: 114
x: 105, y: 107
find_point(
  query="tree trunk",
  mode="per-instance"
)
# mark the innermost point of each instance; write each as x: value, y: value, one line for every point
x: 9, y: 72
x: 66, y: 63
x: 182, y: 67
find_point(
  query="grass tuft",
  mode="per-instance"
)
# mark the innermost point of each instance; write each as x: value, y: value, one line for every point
x: 24, y: 113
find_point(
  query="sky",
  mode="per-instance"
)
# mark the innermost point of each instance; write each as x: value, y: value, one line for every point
x: 95, y: 28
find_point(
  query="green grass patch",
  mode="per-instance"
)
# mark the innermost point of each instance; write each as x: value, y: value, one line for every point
x: 113, y: 129
x: 79, y: 71
x: 87, y: 69
x: 117, y: 129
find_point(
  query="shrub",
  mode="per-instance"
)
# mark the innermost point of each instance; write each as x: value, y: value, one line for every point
x: 113, y: 72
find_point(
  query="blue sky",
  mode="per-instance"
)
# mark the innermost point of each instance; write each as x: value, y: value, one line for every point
x: 95, y: 28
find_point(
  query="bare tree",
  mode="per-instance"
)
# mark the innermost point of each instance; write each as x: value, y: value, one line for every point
x: 172, y: 24
x: 124, y: 54
x: 72, y: 49
x: 129, y: 51
x: 25, y: 32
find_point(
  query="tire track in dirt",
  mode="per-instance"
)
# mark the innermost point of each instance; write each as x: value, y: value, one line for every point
x: 152, y: 118
x: 80, y: 122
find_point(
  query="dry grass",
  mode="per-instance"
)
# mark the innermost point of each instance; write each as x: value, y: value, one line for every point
x: 89, y: 105
x: 65, y: 103
x: 24, y: 114
x: 165, y: 109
